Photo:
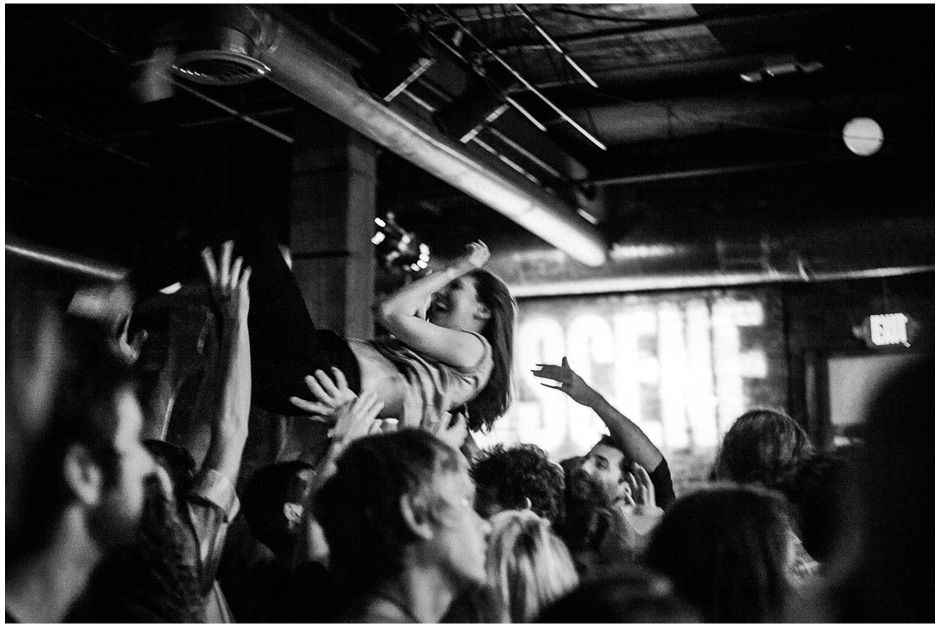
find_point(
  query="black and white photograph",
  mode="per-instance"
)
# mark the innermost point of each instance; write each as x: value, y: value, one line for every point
x: 470, y: 313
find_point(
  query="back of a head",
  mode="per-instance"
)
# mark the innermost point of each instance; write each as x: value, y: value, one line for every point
x: 527, y: 566
x: 493, y: 400
x: 81, y: 410
x: 762, y: 446
x: 818, y: 490
x: 268, y: 493
x: 506, y: 477
x: 633, y: 595
x: 725, y: 549
x: 359, y: 507
x: 893, y: 577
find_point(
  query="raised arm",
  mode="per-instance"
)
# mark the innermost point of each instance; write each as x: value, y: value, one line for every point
x: 229, y: 286
x: 631, y: 438
x: 399, y: 314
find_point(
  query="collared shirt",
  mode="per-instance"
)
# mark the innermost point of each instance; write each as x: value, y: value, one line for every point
x: 212, y: 505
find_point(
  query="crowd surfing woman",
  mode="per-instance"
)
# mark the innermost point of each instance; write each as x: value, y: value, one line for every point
x: 450, y: 349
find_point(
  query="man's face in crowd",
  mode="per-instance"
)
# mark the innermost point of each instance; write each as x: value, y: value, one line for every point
x: 117, y: 517
x: 460, y: 535
x: 602, y: 467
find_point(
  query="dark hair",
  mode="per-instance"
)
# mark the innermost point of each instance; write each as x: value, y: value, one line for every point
x: 725, y: 548
x: 266, y: 492
x: 152, y: 580
x: 633, y: 595
x: 507, y: 477
x: 762, y: 446
x: 890, y: 578
x: 493, y: 400
x: 82, y: 411
x: 359, y: 506
x: 817, y: 491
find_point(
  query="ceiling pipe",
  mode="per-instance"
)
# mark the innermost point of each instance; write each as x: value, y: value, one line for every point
x: 655, y: 260
x: 64, y: 261
x: 321, y: 75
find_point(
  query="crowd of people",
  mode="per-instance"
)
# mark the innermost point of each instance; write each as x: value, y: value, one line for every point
x: 115, y: 515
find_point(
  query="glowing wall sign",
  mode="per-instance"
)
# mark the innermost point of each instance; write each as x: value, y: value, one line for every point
x: 682, y: 367
x: 888, y: 329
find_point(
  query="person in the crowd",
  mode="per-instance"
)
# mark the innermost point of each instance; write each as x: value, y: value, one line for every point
x: 294, y: 585
x: 767, y: 448
x: 291, y: 586
x: 151, y: 580
x: 818, y: 491
x: 616, y: 492
x: 619, y: 460
x: 762, y: 446
x: 884, y: 570
x: 404, y: 538
x: 634, y: 594
x: 527, y: 567
x: 83, y: 474
x: 726, y: 549
x: 518, y: 477
x: 188, y: 537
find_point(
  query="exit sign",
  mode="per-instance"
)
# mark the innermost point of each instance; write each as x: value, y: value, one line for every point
x: 888, y: 330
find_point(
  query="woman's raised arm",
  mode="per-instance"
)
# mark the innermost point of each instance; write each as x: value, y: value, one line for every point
x: 399, y: 314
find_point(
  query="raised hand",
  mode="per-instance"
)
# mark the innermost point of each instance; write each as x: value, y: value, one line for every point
x: 571, y: 384
x: 640, y: 490
x: 127, y: 348
x: 453, y: 435
x: 228, y: 282
x: 331, y: 397
x: 477, y: 254
x: 357, y: 419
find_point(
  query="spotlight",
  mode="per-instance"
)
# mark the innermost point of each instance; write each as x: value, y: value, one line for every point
x: 398, y: 250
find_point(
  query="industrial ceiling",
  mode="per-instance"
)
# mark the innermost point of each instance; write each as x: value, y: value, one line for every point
x: 596, y: 147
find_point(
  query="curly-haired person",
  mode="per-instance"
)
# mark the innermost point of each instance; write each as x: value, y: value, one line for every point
x: 518, y: 477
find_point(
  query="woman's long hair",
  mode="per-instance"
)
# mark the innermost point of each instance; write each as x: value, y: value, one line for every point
x: 527, y: 567
x: 725, y: 548
x: 493, y: 400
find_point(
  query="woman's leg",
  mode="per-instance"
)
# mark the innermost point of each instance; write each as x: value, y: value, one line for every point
x: 285, y: 344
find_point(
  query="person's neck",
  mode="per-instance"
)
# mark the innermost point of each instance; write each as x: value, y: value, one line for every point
x: 42, y: 587
x: 421, y: 595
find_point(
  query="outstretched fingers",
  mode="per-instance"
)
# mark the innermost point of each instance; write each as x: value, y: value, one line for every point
x: 225, y: 263
x: 317, y: 410
x: 208, y: 262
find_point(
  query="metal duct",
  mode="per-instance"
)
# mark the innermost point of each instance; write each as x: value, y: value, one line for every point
x: 319, y: 74
x: 864, y: 249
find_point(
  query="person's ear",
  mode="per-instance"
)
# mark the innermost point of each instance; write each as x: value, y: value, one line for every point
x: 416, y: 516
x: 482, y: 312
x: 83, y: 475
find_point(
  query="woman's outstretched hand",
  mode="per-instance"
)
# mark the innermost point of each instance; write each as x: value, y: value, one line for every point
x: 477, y: 254
x: 228, y: 282
x: 331, y: 396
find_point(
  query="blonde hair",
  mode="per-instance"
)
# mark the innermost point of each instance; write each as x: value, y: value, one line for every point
x: 527, y: 567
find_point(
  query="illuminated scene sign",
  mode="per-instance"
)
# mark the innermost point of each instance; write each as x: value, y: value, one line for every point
x: 681, y: 366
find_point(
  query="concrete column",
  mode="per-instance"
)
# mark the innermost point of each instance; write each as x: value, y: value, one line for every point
x: 332, y: 222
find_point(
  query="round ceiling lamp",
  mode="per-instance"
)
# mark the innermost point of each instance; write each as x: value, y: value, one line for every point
x: 863, y: 136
